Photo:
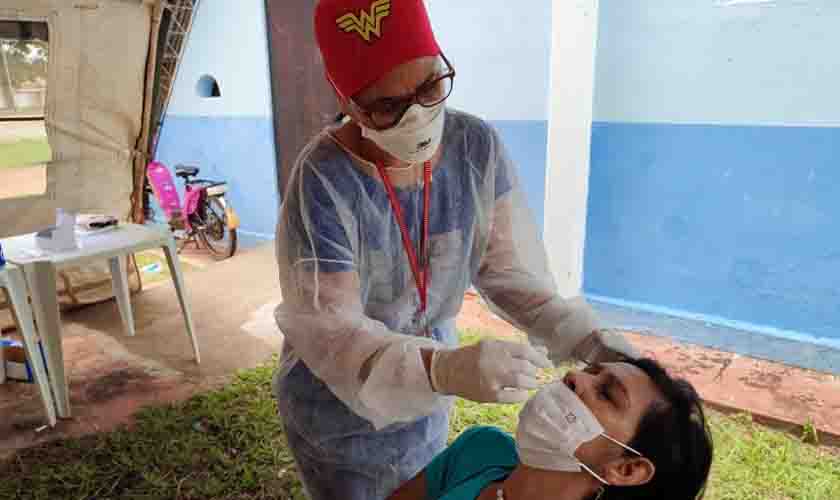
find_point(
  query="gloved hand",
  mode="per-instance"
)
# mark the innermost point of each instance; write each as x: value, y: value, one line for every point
x: 491, y: 371
x: 604, y: 346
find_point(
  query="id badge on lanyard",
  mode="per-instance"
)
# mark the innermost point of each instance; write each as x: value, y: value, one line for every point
x: 417, y: 259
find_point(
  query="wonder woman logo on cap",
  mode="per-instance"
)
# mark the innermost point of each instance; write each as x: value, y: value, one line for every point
x: 348, y: 32
x: 366, y: 22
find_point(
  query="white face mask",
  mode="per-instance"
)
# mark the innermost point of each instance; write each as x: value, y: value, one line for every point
x: 416, y: 138
x: 552, y: 426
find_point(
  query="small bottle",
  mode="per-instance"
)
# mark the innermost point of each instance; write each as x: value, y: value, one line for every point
x: 2, y: 258
x: 65, y: 230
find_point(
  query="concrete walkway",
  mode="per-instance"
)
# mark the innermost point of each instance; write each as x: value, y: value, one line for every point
x: 112, y: 375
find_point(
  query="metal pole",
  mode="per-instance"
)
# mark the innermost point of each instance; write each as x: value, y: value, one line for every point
x: 8, y: 85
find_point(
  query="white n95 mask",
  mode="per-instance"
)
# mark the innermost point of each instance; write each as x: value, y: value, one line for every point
x: 416, y: 138
x: 552, y: 426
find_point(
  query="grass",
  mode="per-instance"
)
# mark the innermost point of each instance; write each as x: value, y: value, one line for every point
x: 24, y: 152
x: 753, y: 462
x: 228, y: 444
x: 150, y: 258
x: 150, y: 275
x: 223, y: 444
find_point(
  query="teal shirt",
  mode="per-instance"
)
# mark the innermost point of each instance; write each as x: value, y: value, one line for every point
x: 480, y: 456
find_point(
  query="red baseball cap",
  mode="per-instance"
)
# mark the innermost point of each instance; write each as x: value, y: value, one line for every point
x: 361, y: 40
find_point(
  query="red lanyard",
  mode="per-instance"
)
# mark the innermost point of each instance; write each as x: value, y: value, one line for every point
x: 419, y: 262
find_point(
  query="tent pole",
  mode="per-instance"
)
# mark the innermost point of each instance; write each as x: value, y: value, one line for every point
x: 137, y: 212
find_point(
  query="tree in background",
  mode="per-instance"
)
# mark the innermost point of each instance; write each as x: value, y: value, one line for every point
x: 27, y: 62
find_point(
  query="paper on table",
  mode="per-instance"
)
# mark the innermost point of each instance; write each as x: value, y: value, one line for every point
x: 35, y: 253
x: 86, y: 233
x: 56, y: 240
x: 93, y: 222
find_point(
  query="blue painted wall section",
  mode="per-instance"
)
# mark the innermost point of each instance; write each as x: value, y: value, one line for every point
x: 230, y: 137
x: 736, y: 222
x: 234, y: 150
x: 714, y: 181
x: 525, y: 141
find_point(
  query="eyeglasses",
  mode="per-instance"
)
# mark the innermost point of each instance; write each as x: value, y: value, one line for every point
x: 387, y: 112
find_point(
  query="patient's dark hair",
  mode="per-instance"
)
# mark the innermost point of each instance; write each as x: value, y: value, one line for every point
x: 674, y: 436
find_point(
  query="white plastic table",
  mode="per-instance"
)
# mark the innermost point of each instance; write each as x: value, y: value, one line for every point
x: 11, y: 278
x: 40, y: 270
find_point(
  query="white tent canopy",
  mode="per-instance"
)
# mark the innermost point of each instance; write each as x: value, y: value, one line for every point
x: 94, y: 106
x: 101, y: 79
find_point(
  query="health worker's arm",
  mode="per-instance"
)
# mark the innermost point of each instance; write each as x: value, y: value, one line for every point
x: 514, y: 276
x: 518, y: 285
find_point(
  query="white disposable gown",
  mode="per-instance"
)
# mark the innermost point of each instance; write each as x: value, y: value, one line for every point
x: 349, y: 297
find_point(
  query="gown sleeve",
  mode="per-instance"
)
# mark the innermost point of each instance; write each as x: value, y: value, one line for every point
x: 514, y: 277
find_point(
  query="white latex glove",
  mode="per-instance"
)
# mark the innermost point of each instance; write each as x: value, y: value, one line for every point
x: 491, y: 371
x: 604, y: 346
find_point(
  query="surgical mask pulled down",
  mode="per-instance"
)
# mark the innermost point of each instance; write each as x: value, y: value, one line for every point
x: 553, y: 425
x: 416, y: 138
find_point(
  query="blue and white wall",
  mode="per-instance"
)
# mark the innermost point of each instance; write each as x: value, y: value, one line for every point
x: 501, y: 54
x: 714, y: 187
x: 712, y: 184
x: 503, y: 73
x: 230, y: 137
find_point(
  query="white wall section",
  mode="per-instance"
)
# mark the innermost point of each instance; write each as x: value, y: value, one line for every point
x: 721, y: 62
x: 500, y: 50
x: 575, y: 32
x: 230, y: 44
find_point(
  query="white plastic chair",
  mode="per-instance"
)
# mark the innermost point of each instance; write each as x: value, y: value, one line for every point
x: 12, y: 279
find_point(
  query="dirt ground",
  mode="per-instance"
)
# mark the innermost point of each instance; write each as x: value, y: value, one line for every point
x: 17, y: 131
x: 16, y: 182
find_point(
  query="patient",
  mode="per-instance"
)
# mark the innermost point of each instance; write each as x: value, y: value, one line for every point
x: 617, y: 431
